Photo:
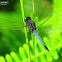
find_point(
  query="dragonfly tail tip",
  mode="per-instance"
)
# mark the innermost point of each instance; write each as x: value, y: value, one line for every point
x: 46, y: 48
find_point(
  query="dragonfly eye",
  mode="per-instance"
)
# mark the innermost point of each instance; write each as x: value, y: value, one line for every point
x: 25, y: 20
x: 29, y: 18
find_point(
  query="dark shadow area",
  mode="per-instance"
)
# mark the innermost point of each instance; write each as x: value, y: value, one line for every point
x: 60, y: 57
x: 11, y: 41
x: 7, y: 5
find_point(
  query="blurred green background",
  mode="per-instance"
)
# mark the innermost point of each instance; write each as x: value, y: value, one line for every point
x: 13, y: 42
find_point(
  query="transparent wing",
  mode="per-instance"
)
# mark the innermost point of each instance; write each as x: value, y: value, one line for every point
x: 44, y: 21
x: 6, y: 24
x: 46, y: 11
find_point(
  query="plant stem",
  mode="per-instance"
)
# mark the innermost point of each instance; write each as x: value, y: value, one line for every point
x: 33, y: 7
x: 21, y: 2
x: 34, y: 38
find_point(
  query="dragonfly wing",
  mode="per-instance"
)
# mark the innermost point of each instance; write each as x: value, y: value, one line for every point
x: 14, y: 29
x: 10, y: 25
x: 10, y: 29
x: 44, y: 22
x: 36, y: 34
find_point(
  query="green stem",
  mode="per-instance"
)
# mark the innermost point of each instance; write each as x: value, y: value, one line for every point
x: 34, y: 41
x: 21, y: 2
x: 33, y: 38
x: 33, y: 7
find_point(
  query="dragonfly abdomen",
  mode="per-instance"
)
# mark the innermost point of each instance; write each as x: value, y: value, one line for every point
x: 35, y: 33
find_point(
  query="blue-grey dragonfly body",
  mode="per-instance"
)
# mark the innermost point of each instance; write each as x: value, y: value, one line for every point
x: 32, y: 28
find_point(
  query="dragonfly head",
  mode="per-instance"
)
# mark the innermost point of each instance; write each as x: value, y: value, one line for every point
x: 27, y: 19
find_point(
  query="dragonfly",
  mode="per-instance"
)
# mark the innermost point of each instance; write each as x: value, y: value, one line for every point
x: 32, y: 28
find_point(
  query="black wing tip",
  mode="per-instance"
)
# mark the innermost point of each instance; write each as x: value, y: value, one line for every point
x: 46, y: 48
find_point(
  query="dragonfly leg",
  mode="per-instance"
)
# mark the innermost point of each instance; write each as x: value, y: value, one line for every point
x: 28, y: 32
x: 35, y: 28
x: 46, y: 48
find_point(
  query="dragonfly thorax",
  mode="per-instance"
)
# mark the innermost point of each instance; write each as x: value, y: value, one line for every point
x: 31, y: 25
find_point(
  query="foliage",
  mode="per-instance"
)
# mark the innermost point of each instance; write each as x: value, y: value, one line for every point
x: 41, y: 54
x: 18, y: 47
